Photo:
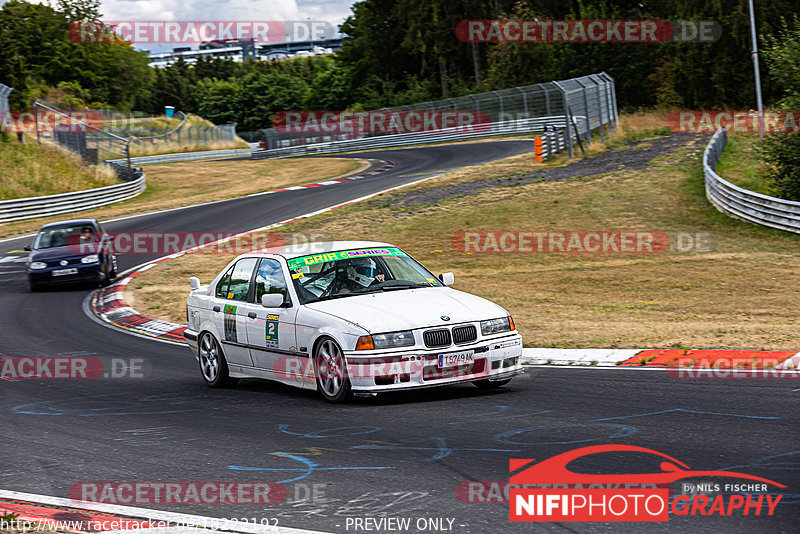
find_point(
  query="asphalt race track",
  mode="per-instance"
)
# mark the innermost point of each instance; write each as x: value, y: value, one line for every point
x: 401, y: 455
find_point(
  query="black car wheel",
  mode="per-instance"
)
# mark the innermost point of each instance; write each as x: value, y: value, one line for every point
x: 213, y: 365
x: 333, y: 383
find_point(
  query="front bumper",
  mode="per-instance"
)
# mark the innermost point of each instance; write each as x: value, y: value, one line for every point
x: 191, y: 339
x: 494, y: 360
x: 92, y: 272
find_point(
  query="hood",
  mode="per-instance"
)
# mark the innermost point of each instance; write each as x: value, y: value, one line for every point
x: 407, y: 309
x: 62, y: 252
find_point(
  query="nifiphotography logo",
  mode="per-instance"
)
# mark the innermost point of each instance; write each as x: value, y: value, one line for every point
x: 549, y: 491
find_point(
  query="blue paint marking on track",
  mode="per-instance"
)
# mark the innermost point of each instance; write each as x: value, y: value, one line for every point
x: 611, y: 431
x: 768, y: 463
x: 330, y: 432
x: 615, y: 430
x: 308, y: 467
x: 124, y: 407
x: 683, y: 410
x: 442, y: 450
x: 494, y: 416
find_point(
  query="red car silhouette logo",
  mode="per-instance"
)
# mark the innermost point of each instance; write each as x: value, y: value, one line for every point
x: 554, y: 470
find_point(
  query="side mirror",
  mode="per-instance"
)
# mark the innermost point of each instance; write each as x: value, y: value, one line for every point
x: 26, y: 248
x: 272, y: 300
x: 194, y: 282
x: 447, y: 279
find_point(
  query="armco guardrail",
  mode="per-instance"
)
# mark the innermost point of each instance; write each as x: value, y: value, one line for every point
x: 186, y: 156
x: 538, y: 124
x: 34, y: 207
x: 741, y: 203
x: 582, y: 105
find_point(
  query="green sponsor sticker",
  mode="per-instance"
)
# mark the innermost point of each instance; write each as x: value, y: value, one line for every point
x: 230, y: 309
x: 298, y: 263
x: 271, y: 331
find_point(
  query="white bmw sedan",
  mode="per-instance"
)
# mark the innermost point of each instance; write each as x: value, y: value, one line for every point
x: 352, y: 317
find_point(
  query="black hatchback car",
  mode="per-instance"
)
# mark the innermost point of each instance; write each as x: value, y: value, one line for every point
x: 73, y: 251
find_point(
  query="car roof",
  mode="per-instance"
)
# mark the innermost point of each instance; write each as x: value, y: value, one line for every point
x: 70, y: 222
x: 321, y: 247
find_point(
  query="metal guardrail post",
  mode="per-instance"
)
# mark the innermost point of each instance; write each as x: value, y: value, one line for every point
x: 500, y: 100
x: 567, y: 120
x: 524, y: 101
x: 600, y: 108
x: 477, y: 102
x: 613, y: 98
x: 586, y: 107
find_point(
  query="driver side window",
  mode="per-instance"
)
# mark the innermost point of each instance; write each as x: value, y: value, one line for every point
x: 270, y: 279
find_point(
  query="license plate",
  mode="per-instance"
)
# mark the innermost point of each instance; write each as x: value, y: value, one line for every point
x: 64, y: 272
x: 456, y: 358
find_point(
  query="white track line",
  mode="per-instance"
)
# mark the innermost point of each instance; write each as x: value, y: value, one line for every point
x: 152, y: 515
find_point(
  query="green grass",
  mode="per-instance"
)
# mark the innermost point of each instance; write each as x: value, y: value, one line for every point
x: 741, y: 164
x: 31, y: 170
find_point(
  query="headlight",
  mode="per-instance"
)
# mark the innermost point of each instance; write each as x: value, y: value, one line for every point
x: 38, y: 265
x: 495, y: 326
x: 395, y: 339
x: 92, y: 258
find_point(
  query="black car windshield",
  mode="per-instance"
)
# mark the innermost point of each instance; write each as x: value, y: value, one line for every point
x: 358, y: 271
x: 63, y: 236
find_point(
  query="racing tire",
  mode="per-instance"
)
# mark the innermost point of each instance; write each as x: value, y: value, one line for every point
x: 485, y: 385
x: 330, y: 369
x: 213, y: 365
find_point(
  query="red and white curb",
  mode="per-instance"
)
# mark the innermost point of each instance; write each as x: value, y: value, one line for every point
x: 79, y: 516
x: 784, y: 360
x: 383, y: 168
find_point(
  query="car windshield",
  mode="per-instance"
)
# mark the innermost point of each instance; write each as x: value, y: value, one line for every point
x: 358, y: 271
x: 62, y: 236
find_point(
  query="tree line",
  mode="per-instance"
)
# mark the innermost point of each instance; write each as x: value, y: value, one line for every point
x: 394, y: 52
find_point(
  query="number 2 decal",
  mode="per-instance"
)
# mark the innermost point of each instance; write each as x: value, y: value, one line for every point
x: 272, y: 330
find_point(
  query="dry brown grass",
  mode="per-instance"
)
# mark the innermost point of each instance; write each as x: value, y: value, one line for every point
x: 187, y: 183
x: 158, y: 146
x: 34, y: 170
x: 741, y: 294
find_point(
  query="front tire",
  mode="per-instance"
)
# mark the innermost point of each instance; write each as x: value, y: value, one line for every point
x: 333, y: 383
x: 213, y: 365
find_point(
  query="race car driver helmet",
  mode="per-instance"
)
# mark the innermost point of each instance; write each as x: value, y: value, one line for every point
x: 361, y: 271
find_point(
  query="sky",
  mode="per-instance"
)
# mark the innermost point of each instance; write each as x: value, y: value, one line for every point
x: 332, y: 11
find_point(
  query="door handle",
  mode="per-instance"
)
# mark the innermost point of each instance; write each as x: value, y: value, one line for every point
x: 216, y: 309
x: 252, y: 315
